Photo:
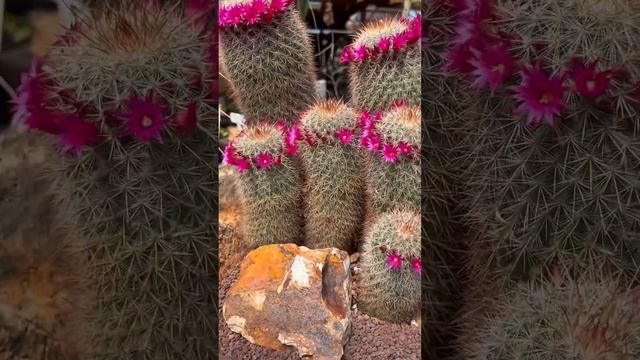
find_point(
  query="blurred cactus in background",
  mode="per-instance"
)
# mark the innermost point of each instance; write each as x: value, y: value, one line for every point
x: 266, y: 54
x: 586, y: 317
x: 127, y: 93
x: 270, y: 185
x: 334, y: 189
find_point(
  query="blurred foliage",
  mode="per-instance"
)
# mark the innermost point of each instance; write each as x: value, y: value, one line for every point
x: 17, y: 29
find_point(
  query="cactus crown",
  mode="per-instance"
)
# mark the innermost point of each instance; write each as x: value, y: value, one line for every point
x: 401, y: 124
x: 396, y: 232
x: 259, y: 139
x: 239, y: 14
x: 327, y: 117
x: 372, y: 33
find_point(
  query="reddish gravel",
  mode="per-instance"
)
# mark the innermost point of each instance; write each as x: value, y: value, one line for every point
x: 371, y: 338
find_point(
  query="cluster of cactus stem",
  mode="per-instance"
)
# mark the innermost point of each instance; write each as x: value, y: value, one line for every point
x: 128, y: 92
x: 261, y: 41
x: 270, y: 186
x: 334, y: 187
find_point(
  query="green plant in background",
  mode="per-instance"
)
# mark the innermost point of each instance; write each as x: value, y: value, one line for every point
x: 267, y: 56
x: 393, y: 164
x: 585, y: 317
x: 391, y: 267
x: 334, y: 189
x: 270, y: 185
x: 385, y: 64
x: 127, y: 93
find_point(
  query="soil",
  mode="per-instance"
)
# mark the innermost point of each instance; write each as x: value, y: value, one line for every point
x: 371, y: 338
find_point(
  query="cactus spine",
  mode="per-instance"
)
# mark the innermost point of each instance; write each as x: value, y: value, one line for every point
x: 263, y: 40
x: 334, y: 189
x: 391, y: 267
x: 270, y: 185
x: 129, y: 98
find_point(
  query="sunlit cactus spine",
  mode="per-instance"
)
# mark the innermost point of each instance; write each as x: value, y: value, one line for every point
x: 127, y: 93
x: 334, y: 189
x: 586, y: 317
x: 269, y: 183
x: 385, y: 64
x: 267, y: 56
x: 554, y: 103
x: 393, y: 141
x: 391, y: 267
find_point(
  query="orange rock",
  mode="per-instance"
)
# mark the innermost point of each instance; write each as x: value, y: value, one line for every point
x: 287, y: 295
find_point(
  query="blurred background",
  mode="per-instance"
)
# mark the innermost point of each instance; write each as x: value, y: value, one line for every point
x: 331, y: 23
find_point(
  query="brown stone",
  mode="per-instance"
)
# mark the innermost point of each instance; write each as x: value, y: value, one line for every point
x: 287, y: 295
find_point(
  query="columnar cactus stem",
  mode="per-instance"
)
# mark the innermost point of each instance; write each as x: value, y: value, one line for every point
x: 334, y: 189
x: 393, y: 170
x: 270, y: 185
x: 385, y: 64
x: 266, y: 53
x: 127, y: 93
x: 391, y: 267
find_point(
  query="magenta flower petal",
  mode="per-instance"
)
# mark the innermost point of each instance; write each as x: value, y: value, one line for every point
x: 587, y: 81
x: 281, y: 125
x: 389, y: 153
x: 29, y: 104
x: 416, y: 266
x: 399, y: 42
x: 542, y: 96
x: 145, y: 120
x: 405, y: 148
x: 242, y: 164
x: 394, y: 260
x: 229, y: 155
x: 492, y: 66
x: 264, y: 160
x: 383, y: 45
x: 360, y: 53
x: 347, y: 55
x: 345, y: 135
x: 373, y: 143
x: 290, y: 148
x: 76, y: 134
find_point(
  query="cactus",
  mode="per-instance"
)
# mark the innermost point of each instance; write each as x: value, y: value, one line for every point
x: 385, y: 64
x: 590, y: 316
x: 334, y: 189
x: 270, y: 186
x: 127, y: 94
x: 552, y: 140
x: 263, y: 40
x: 393, y: 169
x: 391, y: 268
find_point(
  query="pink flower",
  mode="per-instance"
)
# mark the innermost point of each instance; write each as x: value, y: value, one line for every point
x: 345, y: 135
x: 366, y: 119
x: 389, y: 153
x: 373, y: 142
x: 493, y: 66
x: 234, y: 15
x: 277, y: 160
x: 458, y: 59
x: 404, y: 148
x: 415, y: 30
x: 186, y: 119
x: 264, y: 160
x: 310, y: 140
x: 399, y: 42
x: 229, y: 155
x: 360, y: 53
x: 587, y: 81
x: 29, y: 105
x: 290, y: 148
x: 394, y: 260
x: 383, y: 44
x: 76, y: 134
x: 253, y: 12
x: 416, y: 265
x: 242, y: 164
x: 347, y: 55
x: 281, y: 125
x: 145, y: 120
x: 542, y: 96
